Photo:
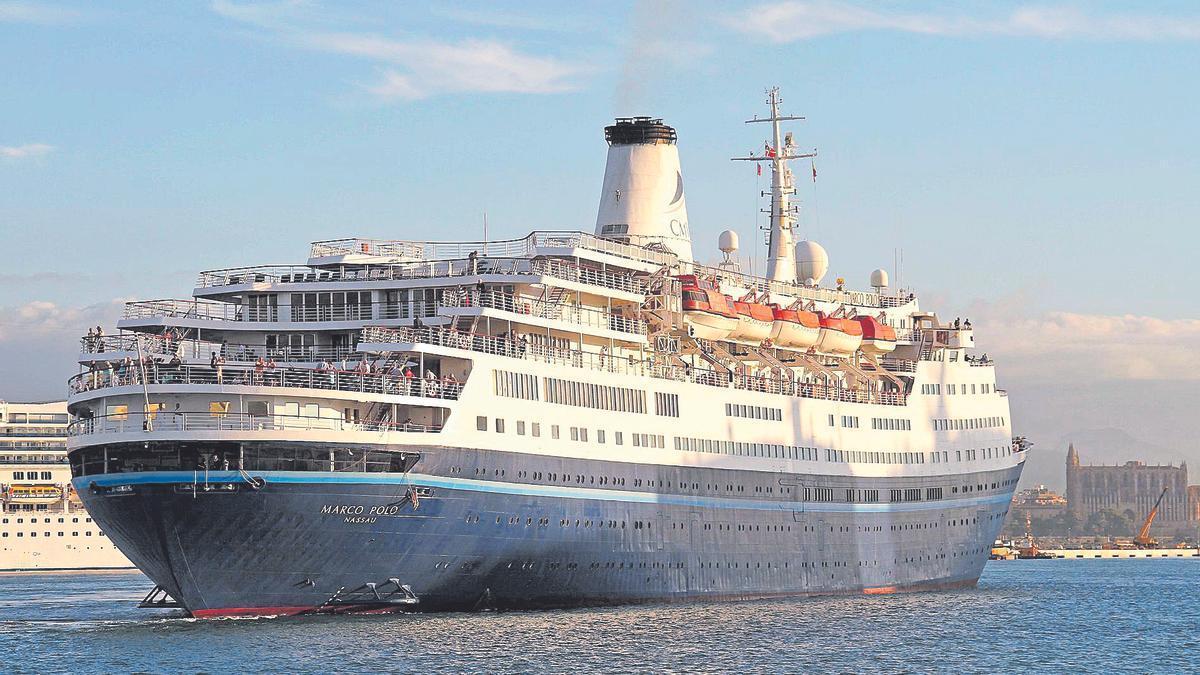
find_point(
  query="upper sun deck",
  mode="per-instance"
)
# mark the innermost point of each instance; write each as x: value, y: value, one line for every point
x: 563, y: 244
x: 340, y: 253
x: 566, y: 273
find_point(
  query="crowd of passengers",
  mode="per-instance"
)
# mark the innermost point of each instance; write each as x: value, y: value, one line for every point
x: 382, y: 376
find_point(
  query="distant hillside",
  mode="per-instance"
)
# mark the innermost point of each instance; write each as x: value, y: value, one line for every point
x: 1110, y: 423
x: 1047, y: 460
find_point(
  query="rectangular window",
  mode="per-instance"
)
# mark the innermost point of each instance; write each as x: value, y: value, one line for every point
x: 554, y: 431
x: 481, y: 423
x: 499, y: 425
x: 515, y: 385
x: 599, y: 435
x: 520, y: 428
x: 666, y: 405
x: 536, y: 429
x: 617, y: 438
x: 601, y: 397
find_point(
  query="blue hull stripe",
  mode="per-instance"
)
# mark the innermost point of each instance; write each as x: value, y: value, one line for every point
x: 525, y: 489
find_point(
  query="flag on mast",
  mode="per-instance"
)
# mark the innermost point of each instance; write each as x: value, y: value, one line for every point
x: 759, y: 169
x: 814, y: 169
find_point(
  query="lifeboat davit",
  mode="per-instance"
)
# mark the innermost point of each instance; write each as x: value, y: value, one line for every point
x: 708, y: 312
x: 877, y: 337
x: 755, y: 322
x: 794, y: 328
x: 841, y: 337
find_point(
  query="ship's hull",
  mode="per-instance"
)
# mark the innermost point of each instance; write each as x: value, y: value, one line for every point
x: 307, y: 541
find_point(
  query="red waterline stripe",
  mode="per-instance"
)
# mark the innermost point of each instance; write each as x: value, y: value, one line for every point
x: 247, y: 611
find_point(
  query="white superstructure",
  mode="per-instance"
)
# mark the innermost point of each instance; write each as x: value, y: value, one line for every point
x: 43, y: 525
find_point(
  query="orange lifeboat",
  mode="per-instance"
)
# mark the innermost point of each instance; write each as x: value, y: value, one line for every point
x: 877, y: 337
x: 755, y: 322
x: 794, y: 328
x: 709, y: 313
x: 841, y: 337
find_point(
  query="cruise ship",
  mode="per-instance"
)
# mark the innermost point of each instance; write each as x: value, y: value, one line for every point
x: 43, y: 525
x: 568, y: 418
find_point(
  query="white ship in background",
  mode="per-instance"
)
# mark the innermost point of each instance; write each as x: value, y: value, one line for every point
x: 43, y: 525
x: 566, y: 418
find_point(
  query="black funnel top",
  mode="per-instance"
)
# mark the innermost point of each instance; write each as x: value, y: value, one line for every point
x: 638, y: 131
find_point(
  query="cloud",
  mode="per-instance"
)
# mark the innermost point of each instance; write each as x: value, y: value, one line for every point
x: 509, y: 19
x: 413, y: 68
x: 29, y: 12
x: 25, y: 151
x: 429, y: 67
x: 39, y: 345
x: 792, y: 21
x: 38, y: 318
x: 1080, y: 348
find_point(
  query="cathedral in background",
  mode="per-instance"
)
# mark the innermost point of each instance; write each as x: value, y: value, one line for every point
x: 1130, y: 490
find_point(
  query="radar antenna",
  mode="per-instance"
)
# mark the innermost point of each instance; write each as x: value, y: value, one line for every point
x: 781, y: 261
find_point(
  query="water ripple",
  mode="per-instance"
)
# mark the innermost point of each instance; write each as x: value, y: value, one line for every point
x: 1079, y: 616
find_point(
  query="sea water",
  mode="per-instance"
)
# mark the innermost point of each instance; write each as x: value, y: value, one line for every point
x: 1048, y: 616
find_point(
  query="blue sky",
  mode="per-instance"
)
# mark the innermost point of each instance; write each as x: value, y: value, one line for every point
x: 1036, y: 162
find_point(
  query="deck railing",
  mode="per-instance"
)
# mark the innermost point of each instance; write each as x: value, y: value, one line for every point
x: 524, y: 247
x: 392, y: 383
x: 119, y: 346
x: 896, y: 365
x: 207, y: 421
x: 462, y: 296
x: 533, y: 306
x: 522, y: 349
x: 434, y: 269
x: 760, y: 285
x: 188, y: 309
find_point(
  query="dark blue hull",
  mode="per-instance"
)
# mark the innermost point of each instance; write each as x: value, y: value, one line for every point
x: 307, y: 540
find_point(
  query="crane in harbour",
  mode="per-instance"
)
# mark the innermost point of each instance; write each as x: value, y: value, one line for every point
x: 1143, y: 538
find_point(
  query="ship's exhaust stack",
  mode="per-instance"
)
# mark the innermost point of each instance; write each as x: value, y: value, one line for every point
x: 642, y: 199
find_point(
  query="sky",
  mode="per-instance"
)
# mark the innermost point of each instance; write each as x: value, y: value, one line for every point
x: 1035, y: 163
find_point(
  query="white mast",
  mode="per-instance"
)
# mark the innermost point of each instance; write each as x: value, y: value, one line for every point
x: 781, y: 257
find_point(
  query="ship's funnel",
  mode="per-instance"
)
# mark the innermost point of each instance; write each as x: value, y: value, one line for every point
x: 642, y: 200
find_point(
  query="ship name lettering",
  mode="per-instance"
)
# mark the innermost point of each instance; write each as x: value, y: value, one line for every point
x: 359, y: 520
x: 341, y: 509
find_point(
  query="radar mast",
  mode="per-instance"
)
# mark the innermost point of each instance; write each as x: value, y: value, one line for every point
x: 781, y: 258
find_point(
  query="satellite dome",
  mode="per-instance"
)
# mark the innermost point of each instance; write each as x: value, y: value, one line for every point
x: 879, y: 278
x: 812, y: 262
x: 728, y: 242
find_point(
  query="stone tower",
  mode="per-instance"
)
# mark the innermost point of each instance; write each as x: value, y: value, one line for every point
x: 1074, y: 493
